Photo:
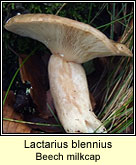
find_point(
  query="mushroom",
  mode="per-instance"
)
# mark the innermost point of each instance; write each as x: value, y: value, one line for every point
x: 71, y: 43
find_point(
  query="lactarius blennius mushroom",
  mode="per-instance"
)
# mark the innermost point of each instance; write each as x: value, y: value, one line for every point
x: 71, y: 44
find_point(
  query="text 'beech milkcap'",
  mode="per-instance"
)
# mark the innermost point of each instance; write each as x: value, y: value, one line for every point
x: 71, y: 43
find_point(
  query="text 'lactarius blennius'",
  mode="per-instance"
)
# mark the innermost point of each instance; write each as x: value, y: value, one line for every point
x: 71, y: 44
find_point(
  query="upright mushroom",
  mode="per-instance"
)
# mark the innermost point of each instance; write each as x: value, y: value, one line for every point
x: 71, y: 43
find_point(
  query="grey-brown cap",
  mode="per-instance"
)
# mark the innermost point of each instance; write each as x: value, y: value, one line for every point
x: 73, y: 40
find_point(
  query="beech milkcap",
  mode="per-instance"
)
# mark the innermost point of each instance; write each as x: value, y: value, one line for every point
x: 71, y: 43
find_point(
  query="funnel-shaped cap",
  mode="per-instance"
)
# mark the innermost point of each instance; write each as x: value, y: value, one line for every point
x: 75, y: 41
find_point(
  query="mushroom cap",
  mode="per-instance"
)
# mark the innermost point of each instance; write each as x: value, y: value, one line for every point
x: 70, y: 39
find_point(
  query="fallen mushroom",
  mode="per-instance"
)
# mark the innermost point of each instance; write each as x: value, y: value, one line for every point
x: 71, y: 43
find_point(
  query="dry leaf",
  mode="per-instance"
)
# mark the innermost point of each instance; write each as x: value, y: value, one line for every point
x: 45, y: 129
x: 8, y: 112
x: 35, y: 70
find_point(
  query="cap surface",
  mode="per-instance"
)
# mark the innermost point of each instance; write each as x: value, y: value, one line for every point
x: 72, y: 40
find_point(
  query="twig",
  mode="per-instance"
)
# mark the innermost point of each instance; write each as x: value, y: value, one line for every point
x: 60, y: 8
x: 13, y: 51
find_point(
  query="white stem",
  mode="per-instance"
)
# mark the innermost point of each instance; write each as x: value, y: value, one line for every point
x: 70, y: 93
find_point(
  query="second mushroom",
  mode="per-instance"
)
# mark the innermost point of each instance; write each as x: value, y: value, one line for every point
x: 71, y: 44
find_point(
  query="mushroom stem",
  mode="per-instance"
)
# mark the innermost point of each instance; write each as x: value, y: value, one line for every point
x: 70, y: 93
